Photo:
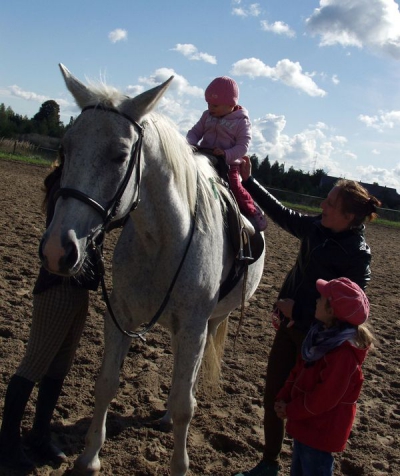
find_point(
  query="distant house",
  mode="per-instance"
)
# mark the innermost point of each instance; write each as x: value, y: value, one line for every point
x: 387, y: 195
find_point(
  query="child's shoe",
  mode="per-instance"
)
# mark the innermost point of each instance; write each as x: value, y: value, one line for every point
x: 259, y: 219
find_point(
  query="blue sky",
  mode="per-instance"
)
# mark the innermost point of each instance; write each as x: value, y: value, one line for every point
x: 320, y: 79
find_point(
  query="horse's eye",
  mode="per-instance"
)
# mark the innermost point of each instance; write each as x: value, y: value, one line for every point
x: 119, y: 159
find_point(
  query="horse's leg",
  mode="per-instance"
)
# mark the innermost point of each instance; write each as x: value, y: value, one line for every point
x: 115, y: 350
x: 217, y: 330
x: 188, y: 347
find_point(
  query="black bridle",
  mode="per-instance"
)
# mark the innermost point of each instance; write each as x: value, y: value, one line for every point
x: 95, y: 239
x: 109, y: 212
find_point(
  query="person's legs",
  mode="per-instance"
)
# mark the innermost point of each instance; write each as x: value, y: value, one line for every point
x: 281, y: 360
x: 55, y: 312
x: 57, y: 321
x: 11, y: 452
x: 68, y: 306
x: 245, y: 200
x: 295, y: 467
x: 62, y: 362
x: 310, y: 461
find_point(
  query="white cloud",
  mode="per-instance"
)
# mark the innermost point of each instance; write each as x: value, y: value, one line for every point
x: 134, y: 90
x: 371, y: 174
x: 253, y: 10
x: 382, y: 121
x: 316, y: 147
x: 179, y: 85
x: 279, y: 28
x: 28, y: 95
x: 16, y: 91
x: 191, y: 52
x: 286, y: 71
x: 374, y: 24
x: 118, y: 35
x: 335, y: 80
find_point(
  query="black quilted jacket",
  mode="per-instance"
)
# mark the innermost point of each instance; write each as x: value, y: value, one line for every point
x: 323, y: 254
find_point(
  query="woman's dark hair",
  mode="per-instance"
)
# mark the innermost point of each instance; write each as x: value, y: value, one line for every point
x: 52, y: 177
x: 357, y: 200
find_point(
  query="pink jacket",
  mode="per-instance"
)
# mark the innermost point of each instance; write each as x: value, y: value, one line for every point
x: 232, y: 133
x: 321, y: 398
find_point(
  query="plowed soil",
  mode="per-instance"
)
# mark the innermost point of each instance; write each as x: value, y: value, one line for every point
x: 226, y: 433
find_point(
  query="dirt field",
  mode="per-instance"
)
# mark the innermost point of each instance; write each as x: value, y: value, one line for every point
x: 226, y: 433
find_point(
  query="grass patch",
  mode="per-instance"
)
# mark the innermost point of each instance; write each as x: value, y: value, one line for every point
x: 33, y: 160
x: 23, y: 151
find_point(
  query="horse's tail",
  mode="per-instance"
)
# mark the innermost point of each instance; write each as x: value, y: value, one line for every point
x: 213, y: 355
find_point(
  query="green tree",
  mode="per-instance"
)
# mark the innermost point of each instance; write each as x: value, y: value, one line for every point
x: 316, y: 177
x: 277, y: 171
x: 8, y: 128
x: 296, y: 180
x: 264, y: 172
x: 255, y: 166
x: 48, y: 119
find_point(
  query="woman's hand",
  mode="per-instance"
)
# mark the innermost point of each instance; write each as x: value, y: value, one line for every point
x: 286, y: 308
x: 245, y: 168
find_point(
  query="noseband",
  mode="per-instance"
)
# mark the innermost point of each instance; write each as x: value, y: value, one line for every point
x: 108, y: 213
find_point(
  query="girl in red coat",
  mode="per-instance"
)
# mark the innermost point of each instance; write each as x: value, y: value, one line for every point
x: 320, y: 395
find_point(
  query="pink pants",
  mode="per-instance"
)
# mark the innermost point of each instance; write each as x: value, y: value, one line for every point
x: 243, y: 198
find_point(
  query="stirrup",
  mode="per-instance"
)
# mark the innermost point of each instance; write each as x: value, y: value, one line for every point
x: 245, y: 253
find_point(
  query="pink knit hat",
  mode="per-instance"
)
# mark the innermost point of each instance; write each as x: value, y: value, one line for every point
x: 347, y: 299
x: 223, y: 90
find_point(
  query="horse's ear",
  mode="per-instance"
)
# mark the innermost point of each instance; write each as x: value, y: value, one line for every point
x: 82, y: 95
x: 145, y: 102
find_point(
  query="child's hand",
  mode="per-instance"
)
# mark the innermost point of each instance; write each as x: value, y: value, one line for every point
x: 217, y: 151
x: 280, y: 409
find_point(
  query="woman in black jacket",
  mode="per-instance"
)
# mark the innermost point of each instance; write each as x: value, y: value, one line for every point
x: 332, y: 245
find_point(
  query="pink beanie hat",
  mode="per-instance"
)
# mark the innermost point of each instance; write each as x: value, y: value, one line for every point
x: 223, y: 90
x: 347, y: 299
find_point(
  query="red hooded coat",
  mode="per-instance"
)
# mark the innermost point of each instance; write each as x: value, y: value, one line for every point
x: 321, y: 398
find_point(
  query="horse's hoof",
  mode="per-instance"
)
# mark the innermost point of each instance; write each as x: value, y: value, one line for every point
x: 84, y: 472
x: 80, y: 469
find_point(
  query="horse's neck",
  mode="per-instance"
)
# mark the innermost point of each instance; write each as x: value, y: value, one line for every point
x: 162, y: 219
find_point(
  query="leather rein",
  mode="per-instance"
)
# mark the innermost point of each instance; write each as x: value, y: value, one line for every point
x: 96, y: 238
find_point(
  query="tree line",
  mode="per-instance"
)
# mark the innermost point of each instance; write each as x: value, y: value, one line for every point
x: 274, y: 175
x: 47, y: 122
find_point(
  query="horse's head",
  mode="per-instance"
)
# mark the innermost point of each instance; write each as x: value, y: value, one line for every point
x: 101, y: 172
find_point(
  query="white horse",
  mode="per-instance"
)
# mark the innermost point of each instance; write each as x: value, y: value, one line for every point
x: 120, y: 154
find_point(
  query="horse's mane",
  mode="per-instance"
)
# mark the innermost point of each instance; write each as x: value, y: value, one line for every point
x: 189, y: 169
x: 104, y: 94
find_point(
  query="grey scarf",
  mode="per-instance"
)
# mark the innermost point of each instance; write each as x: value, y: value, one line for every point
x: 321, y: 340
